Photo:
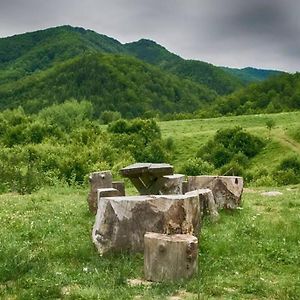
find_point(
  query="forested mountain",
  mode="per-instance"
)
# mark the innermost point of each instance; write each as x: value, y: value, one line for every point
x: 111, y: 82
x: 280, y: 93
x: 248, y: 75
x: 201, y: 72
x: 23, y: 54
x: 51, y: 66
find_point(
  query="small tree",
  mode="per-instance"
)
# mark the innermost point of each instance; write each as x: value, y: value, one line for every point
x: 109, y: 116
x: 270, y: 123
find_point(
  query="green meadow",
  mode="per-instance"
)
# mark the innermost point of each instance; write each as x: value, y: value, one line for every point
x: 190, y: 135
x: 46, y: 250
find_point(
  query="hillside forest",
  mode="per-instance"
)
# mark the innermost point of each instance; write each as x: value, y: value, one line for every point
x: 73, y: 101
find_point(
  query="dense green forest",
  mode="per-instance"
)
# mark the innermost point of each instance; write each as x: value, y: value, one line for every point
x: 62, y: 143
x: 280, y: 93
x: 142, y: 78
x: 248, y: 75
x: 24, y: 54
x: 109, y: 82
x: 213, y: 77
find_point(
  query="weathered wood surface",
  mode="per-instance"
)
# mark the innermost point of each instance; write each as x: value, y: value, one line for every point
x: 227, y: 190
x: 121, y: 222
x: 146, y: 176
x: 184, y: 187
x: 98, y: 180
x: 208, y: 206
x: 107, y: 192
x: 120, y: 186
x: 138, y: 169
x: 168, y: 185
x: 170, y: 257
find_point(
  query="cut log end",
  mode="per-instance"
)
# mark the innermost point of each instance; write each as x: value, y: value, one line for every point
x: 170, y: 257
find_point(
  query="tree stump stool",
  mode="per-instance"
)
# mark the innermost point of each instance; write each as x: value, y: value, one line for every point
x: 208, y: 206
x: 120, y: 186
x: 98, y: 180
x: 121, y: 222
x: 170, y: 257
x: 227, y: 190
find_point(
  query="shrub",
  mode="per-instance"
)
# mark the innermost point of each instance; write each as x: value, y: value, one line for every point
x: 290, y: 163
x: 68, y: 115
x: 142, y: 138
x: 147, y: 129
x: 231, y: 144
x: 288, y: 171
x: 196, y: 166
x: 169, y: 143
x: 232, y: 169
x: 286, y: 177
x: 155, y: 152
x: 109, y: 116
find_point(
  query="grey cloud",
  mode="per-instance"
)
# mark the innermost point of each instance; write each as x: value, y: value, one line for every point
x: 261, y: 33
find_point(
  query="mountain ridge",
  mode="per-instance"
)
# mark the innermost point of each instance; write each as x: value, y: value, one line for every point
x: 45, y: 67
x: 80, y: 40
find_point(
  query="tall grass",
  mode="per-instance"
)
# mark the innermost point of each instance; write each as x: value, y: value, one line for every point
x: 46, y: 251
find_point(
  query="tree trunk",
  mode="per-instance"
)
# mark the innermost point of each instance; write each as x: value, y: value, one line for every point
x: 98, y: 180
x: 121, y: 222
x: 208, y: 206
x: 227, y: 190
x: 170, y: 257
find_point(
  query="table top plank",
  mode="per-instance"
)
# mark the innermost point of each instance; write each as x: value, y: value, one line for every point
x: 139, y: 169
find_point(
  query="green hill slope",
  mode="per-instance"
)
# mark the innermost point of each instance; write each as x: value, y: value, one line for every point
x: 25, y: 54
x: 22, y: 55
x: 248, y: 75
x: 110, y: 82
x: 42, y: 67
x: 198, y: 71
x: 280, y: 93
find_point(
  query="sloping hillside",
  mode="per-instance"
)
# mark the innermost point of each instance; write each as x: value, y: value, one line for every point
x: 280, y: 93
x: 49, y: 66
x: 248, y: 75
x: 110, y: 82
x: 23, y: 54
x: 198, y: 71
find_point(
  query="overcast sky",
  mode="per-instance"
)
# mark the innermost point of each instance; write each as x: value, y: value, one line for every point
x: 235, y: 33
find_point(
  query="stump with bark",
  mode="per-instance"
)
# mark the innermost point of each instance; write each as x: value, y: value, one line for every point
x: 227, y: 190
x: 208, y: 206
x: 121, y: 222
x: 170, y: 257
x: 98, y: 180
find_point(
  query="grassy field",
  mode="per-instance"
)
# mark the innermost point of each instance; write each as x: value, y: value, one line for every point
x: 190, y: 135
x: 46, y: 252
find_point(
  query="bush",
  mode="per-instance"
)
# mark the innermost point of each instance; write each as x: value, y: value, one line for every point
x: 290, y: 163
x: 142, y: 138
x: 109, y: 116
x: 288, y: 171
x: 155, y: 152
x: 232, y: 169
x: 68, y: 115
x: 196, y: 166
x: 231, y: 145
x: 169, y: 143
x: 286, y: 177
